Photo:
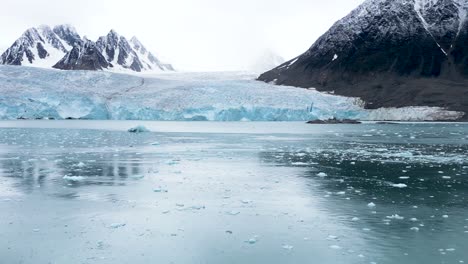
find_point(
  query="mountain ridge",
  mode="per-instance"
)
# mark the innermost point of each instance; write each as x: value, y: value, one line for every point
x: 61, y: 47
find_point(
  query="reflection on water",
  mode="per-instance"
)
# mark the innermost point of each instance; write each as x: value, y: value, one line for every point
x: 339, y: 194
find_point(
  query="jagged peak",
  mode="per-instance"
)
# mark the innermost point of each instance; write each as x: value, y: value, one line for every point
x: 113, y: 33
x: 30, y: 35
x: 65, y: 28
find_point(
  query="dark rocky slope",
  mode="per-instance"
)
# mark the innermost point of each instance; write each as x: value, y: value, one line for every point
x: 83, y: 56
x: 391, y: 53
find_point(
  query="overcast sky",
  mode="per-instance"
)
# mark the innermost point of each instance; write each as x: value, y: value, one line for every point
x: 191, y: 34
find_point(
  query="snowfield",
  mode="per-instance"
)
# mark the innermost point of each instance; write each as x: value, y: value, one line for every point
x: 33, y: 93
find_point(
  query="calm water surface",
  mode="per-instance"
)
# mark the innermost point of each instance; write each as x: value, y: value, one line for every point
x: 90, y: 192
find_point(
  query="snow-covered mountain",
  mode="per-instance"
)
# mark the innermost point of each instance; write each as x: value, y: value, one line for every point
x: 391, y: 53
x: 119, y: 53
x: 40, y: 47
x: 63, y: 48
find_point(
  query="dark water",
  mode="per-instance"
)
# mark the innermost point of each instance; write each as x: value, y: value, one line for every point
x: 90, y: 192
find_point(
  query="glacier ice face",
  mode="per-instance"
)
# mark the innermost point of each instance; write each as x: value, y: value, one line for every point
x: 33, y: 93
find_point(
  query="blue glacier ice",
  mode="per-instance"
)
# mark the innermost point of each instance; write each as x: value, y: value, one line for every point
x: 33, y: 93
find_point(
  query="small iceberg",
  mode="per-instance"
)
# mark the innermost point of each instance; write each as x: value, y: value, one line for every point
x: 117, y: 225
x: 74, y: 178
x: 322, y: 174
x: 139, y: 129
x: 399, y: 185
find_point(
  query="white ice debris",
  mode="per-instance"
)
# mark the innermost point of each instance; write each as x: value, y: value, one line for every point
x: 117, y: 225
x: 160, y: 190
x: 233, y: 212
x: 74, y: 178
x: 252, y: 240
x: 287, y: 247
x: 371, y: 205
x: 399, y: 185
x: 335, y: 57
x: 322, y: 174
x: 138, y: 129
x: 396, y: 216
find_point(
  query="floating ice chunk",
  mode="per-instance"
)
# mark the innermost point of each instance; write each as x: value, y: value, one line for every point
x: 396, y: 216
x: 117, y: 225
x: 252, y: 240
x: 155, y: 144
x: 74, y: 178
x: 335, y: 57
x: 445, y: 216
x: 322, y: 174
x: 233, y: 212
x: 413, y: 219
x: 160, y: 190
x: 335, y: 247
x: 80, y: 165
x: 172, y: 162
x: 371, y: 205
x: 197, y: 207
x: 416, y: 229
x: 287, y: 247
x: 404, y: 177
x: 355, y: 219
x: 100, y: 245
x: 399, y: 185
x: 446, y: 177
x: 138, y: 129
x: 299, y: 163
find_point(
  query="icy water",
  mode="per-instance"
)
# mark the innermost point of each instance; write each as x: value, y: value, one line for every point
x: 90, y: 192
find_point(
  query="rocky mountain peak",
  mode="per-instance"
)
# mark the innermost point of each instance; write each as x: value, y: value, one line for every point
x: 44, y: 46
x: 68, y: 34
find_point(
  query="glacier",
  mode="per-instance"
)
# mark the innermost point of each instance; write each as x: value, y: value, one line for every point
x: 34, y: 93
